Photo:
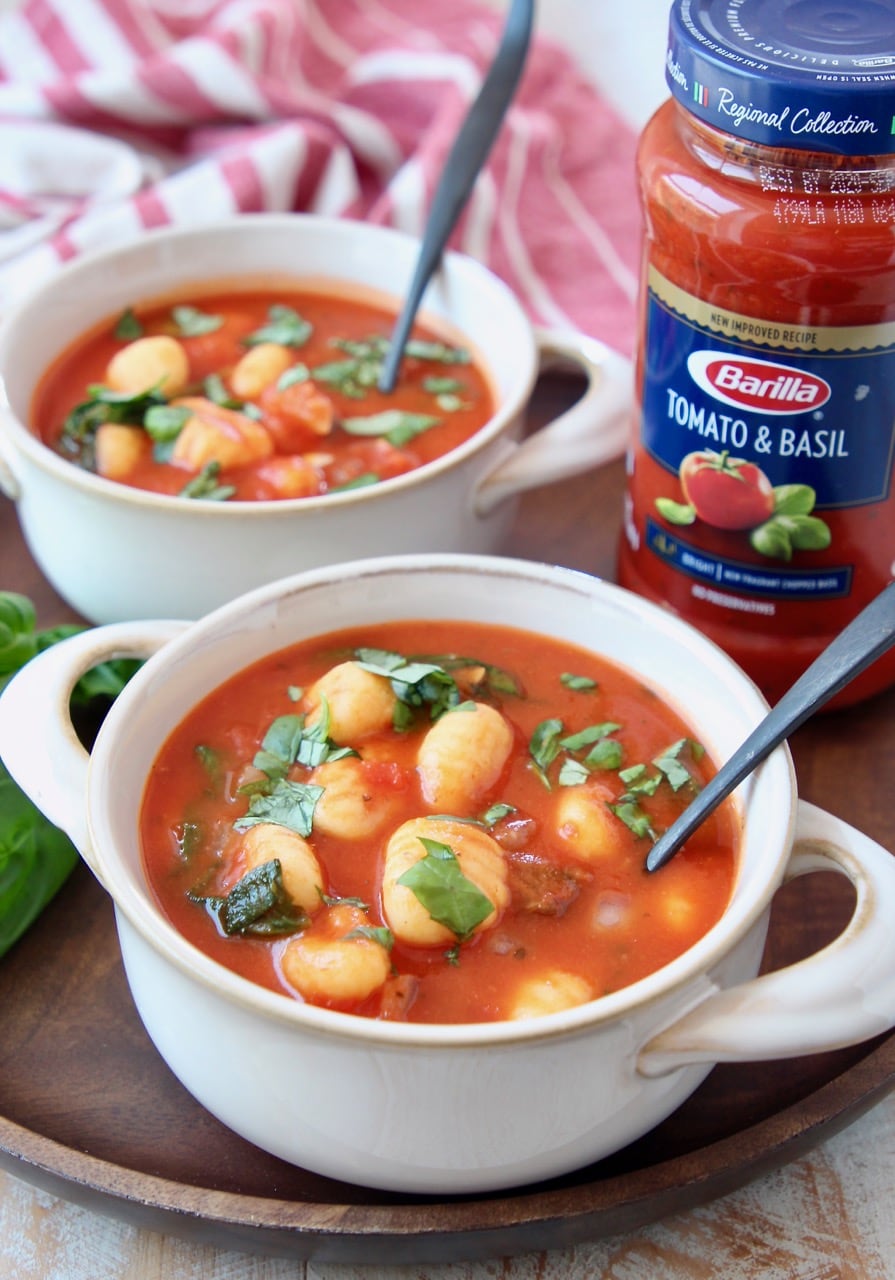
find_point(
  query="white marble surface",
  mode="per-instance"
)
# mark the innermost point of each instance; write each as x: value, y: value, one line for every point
x: 825, y: 1217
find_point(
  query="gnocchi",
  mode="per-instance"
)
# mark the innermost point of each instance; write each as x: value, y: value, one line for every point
x: 339, y: 963
x: 302, y: 877
x: 586, y: 827
x: 462, y: 757
x: 480, y: 859
x: 155, y: 363
x: 215, y: 434
x: 358, y: 702
x: 549, y: 992
x: 259, y: 368
x: 353, y: 806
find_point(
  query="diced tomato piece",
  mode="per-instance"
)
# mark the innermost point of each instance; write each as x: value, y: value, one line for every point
x: 376, y: 457
x: 291, y: 476
x: 296, y: 415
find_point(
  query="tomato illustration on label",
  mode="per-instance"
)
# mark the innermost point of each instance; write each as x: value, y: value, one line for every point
x: 736, y: 495
x: 728, y: 493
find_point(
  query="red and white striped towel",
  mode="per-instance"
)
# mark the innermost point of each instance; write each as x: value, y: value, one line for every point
x: 344, y: 107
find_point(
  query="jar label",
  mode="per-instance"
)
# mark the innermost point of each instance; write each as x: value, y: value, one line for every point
x: 762, y: 427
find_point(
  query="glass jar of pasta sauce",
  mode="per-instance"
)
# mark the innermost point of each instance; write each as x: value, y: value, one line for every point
x: 759, y: 500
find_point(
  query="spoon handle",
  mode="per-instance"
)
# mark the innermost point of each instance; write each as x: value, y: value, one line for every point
x: 866, y: 638
x: 466, y: 157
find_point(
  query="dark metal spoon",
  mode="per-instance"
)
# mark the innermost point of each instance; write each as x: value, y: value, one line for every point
x: 462, y: 167
x: 866, y: 638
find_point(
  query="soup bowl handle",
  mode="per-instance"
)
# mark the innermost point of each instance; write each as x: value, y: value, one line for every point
x: 10, y: 485
x: 38, y: 742
x: 590, y: 433
x: 841, y: 995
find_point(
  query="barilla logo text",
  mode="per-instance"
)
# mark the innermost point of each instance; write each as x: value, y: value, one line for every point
x: 759, y: 385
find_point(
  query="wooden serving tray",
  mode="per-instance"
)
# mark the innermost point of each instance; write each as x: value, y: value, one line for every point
x: 90, y: 1112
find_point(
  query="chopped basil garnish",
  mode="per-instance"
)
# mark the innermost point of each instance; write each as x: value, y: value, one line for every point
x: 352, y: 378
x: 634, y: 818
x: 208, y: 758
x: 439, y: 885
x: 544, y: 747
x: 217, y: 393
x: 375, y: 933
x: 193, y: 323
x: 128, y: 327
x: 284, y: 326
x: 496, y: 680
x: 290, y: 804
x: 295, y: 373
x: 257, y: 904
x: 78, y: 436
x: 362, y: 370
x: 579, y: 683
x: 359, y: 482
x: 669, y: 762
x: 164, y: 422
x: 442, y: 386
x: 205, y: 485
x: 438, y: 352
x: 639, y: 781
x: 415, y: 684
x: 585, y: 738
x: 396, y: 426
x: 572, y: 773
x: 450, y: 403
x: 496, y: 813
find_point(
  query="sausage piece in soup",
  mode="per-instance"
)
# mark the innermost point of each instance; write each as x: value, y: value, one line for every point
x: 434, y: 822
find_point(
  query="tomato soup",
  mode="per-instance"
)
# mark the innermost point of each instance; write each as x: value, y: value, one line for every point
x: 435, y: 822
x: 255, y: 395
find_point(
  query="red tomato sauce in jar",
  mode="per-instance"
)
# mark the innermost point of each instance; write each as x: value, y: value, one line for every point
x: 257, y: 395
x: 455, y: 863
x: 759, y: 503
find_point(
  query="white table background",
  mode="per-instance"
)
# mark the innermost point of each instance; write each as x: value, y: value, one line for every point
x: 829, y: 1215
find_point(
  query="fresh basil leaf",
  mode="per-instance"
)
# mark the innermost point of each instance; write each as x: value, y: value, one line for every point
x: 439, y: 352
x: 257, y: 904
x: 572, y: 773
x: 375, y: 933
x: 164, y: 422
x: 439, y: 885
x: 205, y: 485
x: 396, y: 426
x: 294, y: 374
x: 417, y: 684
x: 359, y: 482
x: 593, y: 733
x: 193, y: 323
x: 497, y: 812
x: 217, y: 393
x: 544, y: 746
x: 284, y: 326
x: 605, y: 754
x: 290, y: 804
x: 279, y: 746
x: 127, y: 326
x: 634, y: 818
x: 578, y: 683
x: 669, y: 762
x: 442, y: 386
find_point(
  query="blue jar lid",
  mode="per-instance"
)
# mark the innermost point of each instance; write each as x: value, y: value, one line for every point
x: 811, y: 75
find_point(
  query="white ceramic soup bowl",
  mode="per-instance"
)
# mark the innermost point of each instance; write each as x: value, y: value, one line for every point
x: 115, y: 553
x: 454, y: 1108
